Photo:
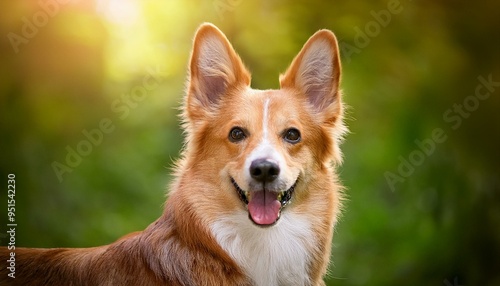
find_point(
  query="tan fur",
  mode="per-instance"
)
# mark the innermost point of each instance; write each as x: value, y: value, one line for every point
x: 180, y: 248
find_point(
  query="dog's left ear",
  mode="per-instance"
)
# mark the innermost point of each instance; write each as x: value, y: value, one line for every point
x: 315, y: 72
x: 214, y: 69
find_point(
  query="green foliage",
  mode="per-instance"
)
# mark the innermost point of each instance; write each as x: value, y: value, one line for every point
x: 407, y: 66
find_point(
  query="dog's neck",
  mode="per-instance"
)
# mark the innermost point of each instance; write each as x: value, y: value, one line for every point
x: 276, y: 255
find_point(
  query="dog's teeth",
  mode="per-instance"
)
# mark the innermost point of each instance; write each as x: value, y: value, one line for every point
x: 280, y: 195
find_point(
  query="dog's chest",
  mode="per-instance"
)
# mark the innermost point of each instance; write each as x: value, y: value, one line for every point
x: 276, y: 255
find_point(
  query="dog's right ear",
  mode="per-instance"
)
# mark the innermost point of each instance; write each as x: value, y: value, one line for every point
x: 214, y: 69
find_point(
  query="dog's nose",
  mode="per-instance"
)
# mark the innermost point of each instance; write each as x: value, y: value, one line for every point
x: 264, y: 170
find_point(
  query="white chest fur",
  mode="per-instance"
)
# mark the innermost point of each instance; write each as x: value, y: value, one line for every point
x: 277, y: 255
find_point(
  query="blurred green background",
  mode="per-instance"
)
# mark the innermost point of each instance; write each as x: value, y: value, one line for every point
x: 419, y: 212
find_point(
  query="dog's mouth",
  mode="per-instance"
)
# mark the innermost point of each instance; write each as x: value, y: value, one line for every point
x: 264, y: 207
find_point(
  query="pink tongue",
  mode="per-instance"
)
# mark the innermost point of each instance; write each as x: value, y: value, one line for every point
x: 264, y: 207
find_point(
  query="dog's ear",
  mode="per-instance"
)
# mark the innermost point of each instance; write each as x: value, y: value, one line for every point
x: 315, y: 72
x: 214, y: 68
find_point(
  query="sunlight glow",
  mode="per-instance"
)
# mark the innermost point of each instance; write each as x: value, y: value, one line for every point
x: 121, y: 12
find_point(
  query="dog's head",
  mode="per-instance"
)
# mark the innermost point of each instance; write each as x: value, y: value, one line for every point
x: 259, y: 149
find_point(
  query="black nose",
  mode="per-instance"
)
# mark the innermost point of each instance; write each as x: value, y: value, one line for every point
x: 264, y: 170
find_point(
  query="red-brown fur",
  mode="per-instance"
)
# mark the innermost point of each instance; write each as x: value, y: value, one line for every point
x: 180, y: 248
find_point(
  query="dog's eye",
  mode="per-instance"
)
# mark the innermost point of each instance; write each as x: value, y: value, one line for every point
x: 236, y: 135
x: 292, y: 135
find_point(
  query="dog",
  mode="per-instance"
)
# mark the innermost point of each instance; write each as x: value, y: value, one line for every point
x: 255, y: 196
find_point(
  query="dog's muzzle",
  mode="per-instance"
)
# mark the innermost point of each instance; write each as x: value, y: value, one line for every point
x: 266, y: 214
